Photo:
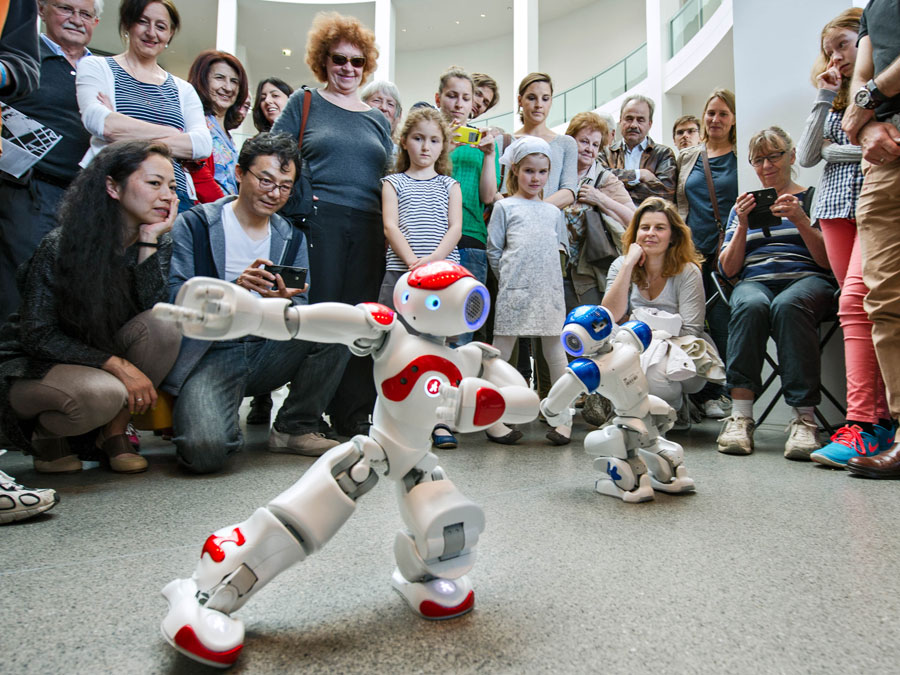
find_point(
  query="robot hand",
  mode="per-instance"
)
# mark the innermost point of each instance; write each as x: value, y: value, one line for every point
x: 473, y: 406
x: 562, y: 418
x: 213, y: 309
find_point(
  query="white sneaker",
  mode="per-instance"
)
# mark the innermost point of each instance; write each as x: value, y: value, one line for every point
x: 18, y: 502
x: 713, y: 408
x: 736, y: 437
x: 803, y: 439
x: 312, y: 444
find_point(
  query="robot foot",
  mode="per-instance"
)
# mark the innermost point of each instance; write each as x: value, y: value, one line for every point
x: 436, y: 599
x: 204, y: 635
x: 679, y: 484
x: 642, y: 492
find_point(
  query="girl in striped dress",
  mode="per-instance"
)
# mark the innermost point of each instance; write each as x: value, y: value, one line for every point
x: 421, y: 204
x: 422, y: 210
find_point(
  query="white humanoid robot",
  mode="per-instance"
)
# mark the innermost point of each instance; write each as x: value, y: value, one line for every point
x: 420, y: 382
x: 632, y: 442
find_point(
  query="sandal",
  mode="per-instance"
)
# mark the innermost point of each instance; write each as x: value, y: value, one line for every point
x: 442, y: 437
x: 121, y: 455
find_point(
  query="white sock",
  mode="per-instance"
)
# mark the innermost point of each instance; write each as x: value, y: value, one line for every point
x: 742, y: 407
x: 806, y: 412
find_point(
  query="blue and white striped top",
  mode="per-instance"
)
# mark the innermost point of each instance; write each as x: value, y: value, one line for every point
x: 423, y: 207
x: 782, y: 256
x: 154, y: 103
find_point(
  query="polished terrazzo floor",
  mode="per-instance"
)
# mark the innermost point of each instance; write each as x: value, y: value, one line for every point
x: 771, y: 567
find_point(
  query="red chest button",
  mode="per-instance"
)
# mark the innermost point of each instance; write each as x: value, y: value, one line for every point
x: 397, y: 388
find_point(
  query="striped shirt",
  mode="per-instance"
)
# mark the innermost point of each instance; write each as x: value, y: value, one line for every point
x: 782, y: 256
x: 153, y: 103
x: 841, y: 181
x: 423, y: 207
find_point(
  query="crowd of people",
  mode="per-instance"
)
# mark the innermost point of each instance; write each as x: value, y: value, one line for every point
x: 147, y: 188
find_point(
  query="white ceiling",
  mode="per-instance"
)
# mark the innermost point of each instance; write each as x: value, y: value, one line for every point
x: 265, y: 27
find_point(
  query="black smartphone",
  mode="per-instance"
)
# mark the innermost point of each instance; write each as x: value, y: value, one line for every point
x: 293, y: 277
x: 761, y: 217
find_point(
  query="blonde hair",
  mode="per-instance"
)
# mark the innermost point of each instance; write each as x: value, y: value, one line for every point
x: 454, y: 72
x: 681, y: 249
x: 512, y: 176
x: 330, y: 28
x: 774, y: 138
x: 848, y: 19
x: 416, y: 116
x: 727, y: 97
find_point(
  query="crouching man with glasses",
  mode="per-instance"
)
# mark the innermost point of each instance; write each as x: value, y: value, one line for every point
x: 235, y: 238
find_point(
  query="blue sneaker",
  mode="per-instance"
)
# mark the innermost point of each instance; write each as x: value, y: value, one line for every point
x: 852, y: 441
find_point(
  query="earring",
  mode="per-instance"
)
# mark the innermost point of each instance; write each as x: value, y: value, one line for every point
x: 167, y: 45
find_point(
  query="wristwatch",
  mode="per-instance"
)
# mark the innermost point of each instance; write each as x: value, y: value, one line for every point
x: 868, y: 96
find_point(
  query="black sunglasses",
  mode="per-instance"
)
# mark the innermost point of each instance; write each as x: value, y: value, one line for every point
x: 341, y: 59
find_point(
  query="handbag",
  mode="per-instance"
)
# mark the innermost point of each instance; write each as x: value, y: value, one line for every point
x: 300, y: 204
x: 600, y: 245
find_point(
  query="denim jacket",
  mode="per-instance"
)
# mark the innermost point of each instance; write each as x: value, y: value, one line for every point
x: 182, y: 269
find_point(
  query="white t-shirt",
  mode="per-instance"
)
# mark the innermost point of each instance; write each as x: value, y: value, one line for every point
x: 240, y: 249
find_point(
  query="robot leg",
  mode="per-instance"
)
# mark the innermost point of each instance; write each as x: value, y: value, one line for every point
x: 666, y: 466
x: 625, y: 475
x: 237, y: 561
x: 438, y: 548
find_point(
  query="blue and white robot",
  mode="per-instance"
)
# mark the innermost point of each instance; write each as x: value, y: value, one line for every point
x: 630, y: 451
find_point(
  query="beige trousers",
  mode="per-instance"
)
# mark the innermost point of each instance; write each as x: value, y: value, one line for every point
x: 71, y: 400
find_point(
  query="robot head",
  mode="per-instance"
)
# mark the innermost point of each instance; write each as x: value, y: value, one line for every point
x: 442, y: 298
x: 587, y: 329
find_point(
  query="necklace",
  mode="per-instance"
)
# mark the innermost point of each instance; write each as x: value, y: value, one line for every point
x: 155, y: 77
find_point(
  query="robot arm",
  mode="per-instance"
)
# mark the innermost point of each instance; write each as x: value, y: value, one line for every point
x: 581, y: 376
x: 213, y: 309
x: 500, y: 394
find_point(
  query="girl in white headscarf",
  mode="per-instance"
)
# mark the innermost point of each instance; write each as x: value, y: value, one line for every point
x: 526, y: 236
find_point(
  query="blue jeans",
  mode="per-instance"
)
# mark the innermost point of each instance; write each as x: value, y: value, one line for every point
x: 474, y: 260
x: 206, y: 411
x: 791, y: 313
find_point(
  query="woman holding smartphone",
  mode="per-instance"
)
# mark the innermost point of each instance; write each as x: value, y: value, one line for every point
x: 784, y: 289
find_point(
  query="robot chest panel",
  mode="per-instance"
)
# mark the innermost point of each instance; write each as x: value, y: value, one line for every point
x: 417, y: 374
x: 621, y: 374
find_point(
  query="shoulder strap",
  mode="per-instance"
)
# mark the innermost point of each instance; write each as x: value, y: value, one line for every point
x: 293, y: 245
x: 808, y: 200
x: 307, y: 98
x: 711, y: 188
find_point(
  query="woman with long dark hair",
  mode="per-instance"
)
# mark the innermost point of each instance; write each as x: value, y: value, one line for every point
x: 84, y: 352
x: 272, y: 95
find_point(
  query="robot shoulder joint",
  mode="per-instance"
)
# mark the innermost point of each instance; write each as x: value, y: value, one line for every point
x: 378, y: 315
x: 587, y: 371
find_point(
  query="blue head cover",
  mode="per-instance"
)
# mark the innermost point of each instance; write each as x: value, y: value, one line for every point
x: 587, y: 329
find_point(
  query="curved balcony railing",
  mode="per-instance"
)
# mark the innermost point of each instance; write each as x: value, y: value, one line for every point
x: 688, y: 21
x: 589, y: 95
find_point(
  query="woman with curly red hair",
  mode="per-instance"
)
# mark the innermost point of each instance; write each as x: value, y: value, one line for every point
x: 346, y: 150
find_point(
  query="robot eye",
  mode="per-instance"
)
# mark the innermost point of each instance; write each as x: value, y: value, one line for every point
x: 404, y: 298
x: 432, y: 302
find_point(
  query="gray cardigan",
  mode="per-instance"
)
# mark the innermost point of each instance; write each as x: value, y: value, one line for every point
x: 182, y: 269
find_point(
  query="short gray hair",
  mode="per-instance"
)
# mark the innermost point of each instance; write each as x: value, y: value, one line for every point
x: 383, y: 87
x: 640, y: 98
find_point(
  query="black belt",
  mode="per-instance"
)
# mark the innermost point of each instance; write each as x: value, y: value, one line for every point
x: 63, y: 183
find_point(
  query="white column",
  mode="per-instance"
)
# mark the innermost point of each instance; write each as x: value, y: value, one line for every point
x: 385, y: 38
x: 657, y: 50
x: 226, y: 26
x: 525, y: 43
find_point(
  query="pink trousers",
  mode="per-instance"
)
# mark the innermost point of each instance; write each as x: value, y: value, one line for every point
x: 866, y: 399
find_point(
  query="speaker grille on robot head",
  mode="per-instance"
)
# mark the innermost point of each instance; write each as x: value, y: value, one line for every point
x: 474, y: 307
x: 573, y: 343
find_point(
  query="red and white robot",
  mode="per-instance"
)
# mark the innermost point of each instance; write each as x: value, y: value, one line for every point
x: 420, y: 382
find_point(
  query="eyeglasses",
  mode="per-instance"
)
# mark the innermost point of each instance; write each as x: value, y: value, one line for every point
x: 773, y: 158
x: 68, y: 12
x: 267, y: 185
x: 355, y: 61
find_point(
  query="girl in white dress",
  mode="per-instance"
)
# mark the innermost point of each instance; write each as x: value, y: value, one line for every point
x: 525, y: 238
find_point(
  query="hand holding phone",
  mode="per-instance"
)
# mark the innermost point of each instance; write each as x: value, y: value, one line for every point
x: 467, y: 135
x: 761, y: 216
x: 293, y: 277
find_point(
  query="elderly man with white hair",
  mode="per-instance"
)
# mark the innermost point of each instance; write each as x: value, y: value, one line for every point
x: 28, y: 204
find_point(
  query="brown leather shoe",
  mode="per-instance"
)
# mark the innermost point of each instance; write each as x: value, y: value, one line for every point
x: 121, y: 454
x: 885, y: 465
